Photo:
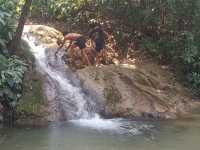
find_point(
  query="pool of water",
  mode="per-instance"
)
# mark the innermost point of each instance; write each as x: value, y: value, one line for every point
x: 117, y: 134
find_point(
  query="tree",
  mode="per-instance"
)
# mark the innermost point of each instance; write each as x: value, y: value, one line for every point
x: 14, y: 44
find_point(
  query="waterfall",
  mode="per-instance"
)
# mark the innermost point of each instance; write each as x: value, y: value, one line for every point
x: 68, y: 101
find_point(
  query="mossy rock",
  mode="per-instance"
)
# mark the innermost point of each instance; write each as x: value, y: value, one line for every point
x: 32, y: 100
x: 32, y: 97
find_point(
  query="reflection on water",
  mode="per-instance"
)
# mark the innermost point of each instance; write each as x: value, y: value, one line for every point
x: 169, y: 135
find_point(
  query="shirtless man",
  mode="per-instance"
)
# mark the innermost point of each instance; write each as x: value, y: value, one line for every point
x: 75, y: 40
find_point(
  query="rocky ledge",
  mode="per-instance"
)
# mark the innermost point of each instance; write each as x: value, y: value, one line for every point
x: 128, y: 91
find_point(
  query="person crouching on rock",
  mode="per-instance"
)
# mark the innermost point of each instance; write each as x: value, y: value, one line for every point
x: 75, y: 40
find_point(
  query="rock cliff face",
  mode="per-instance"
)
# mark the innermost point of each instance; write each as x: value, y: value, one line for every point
x: 128, y: 91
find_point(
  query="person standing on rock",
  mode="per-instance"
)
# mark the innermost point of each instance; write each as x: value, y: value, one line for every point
x: 97, y: 34
x: 75, y: 40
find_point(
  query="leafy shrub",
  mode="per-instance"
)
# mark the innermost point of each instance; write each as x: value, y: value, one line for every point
x: 121, y: 39
x: 7, y: 22
x: 11, y: 77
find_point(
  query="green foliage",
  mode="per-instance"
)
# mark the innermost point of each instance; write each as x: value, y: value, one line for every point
x: 195, y: 79
x: 121, y: 39
x: 59, y: 9
x: 11, y: 77
x: 7, y: 22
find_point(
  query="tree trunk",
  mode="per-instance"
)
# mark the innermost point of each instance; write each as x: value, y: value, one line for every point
x: 15, y: 43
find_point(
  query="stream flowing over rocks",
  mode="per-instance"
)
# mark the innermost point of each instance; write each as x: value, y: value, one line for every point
x: 66, y: 100
x: 123, y: 90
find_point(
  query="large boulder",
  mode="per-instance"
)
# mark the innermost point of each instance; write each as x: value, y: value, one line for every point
x: 45, y: 34
x: 128, y: 91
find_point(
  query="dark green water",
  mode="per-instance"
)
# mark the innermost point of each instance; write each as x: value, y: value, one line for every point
x: 173, y: 135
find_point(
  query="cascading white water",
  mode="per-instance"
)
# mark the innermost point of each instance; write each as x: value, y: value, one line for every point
x: 68, y: 95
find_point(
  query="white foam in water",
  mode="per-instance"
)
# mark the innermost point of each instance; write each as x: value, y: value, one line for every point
x: 116, y: 126
x: 97, y: 123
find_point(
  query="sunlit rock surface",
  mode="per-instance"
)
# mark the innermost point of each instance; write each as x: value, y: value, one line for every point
x: 130, y: 91
x: 45, y: 34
